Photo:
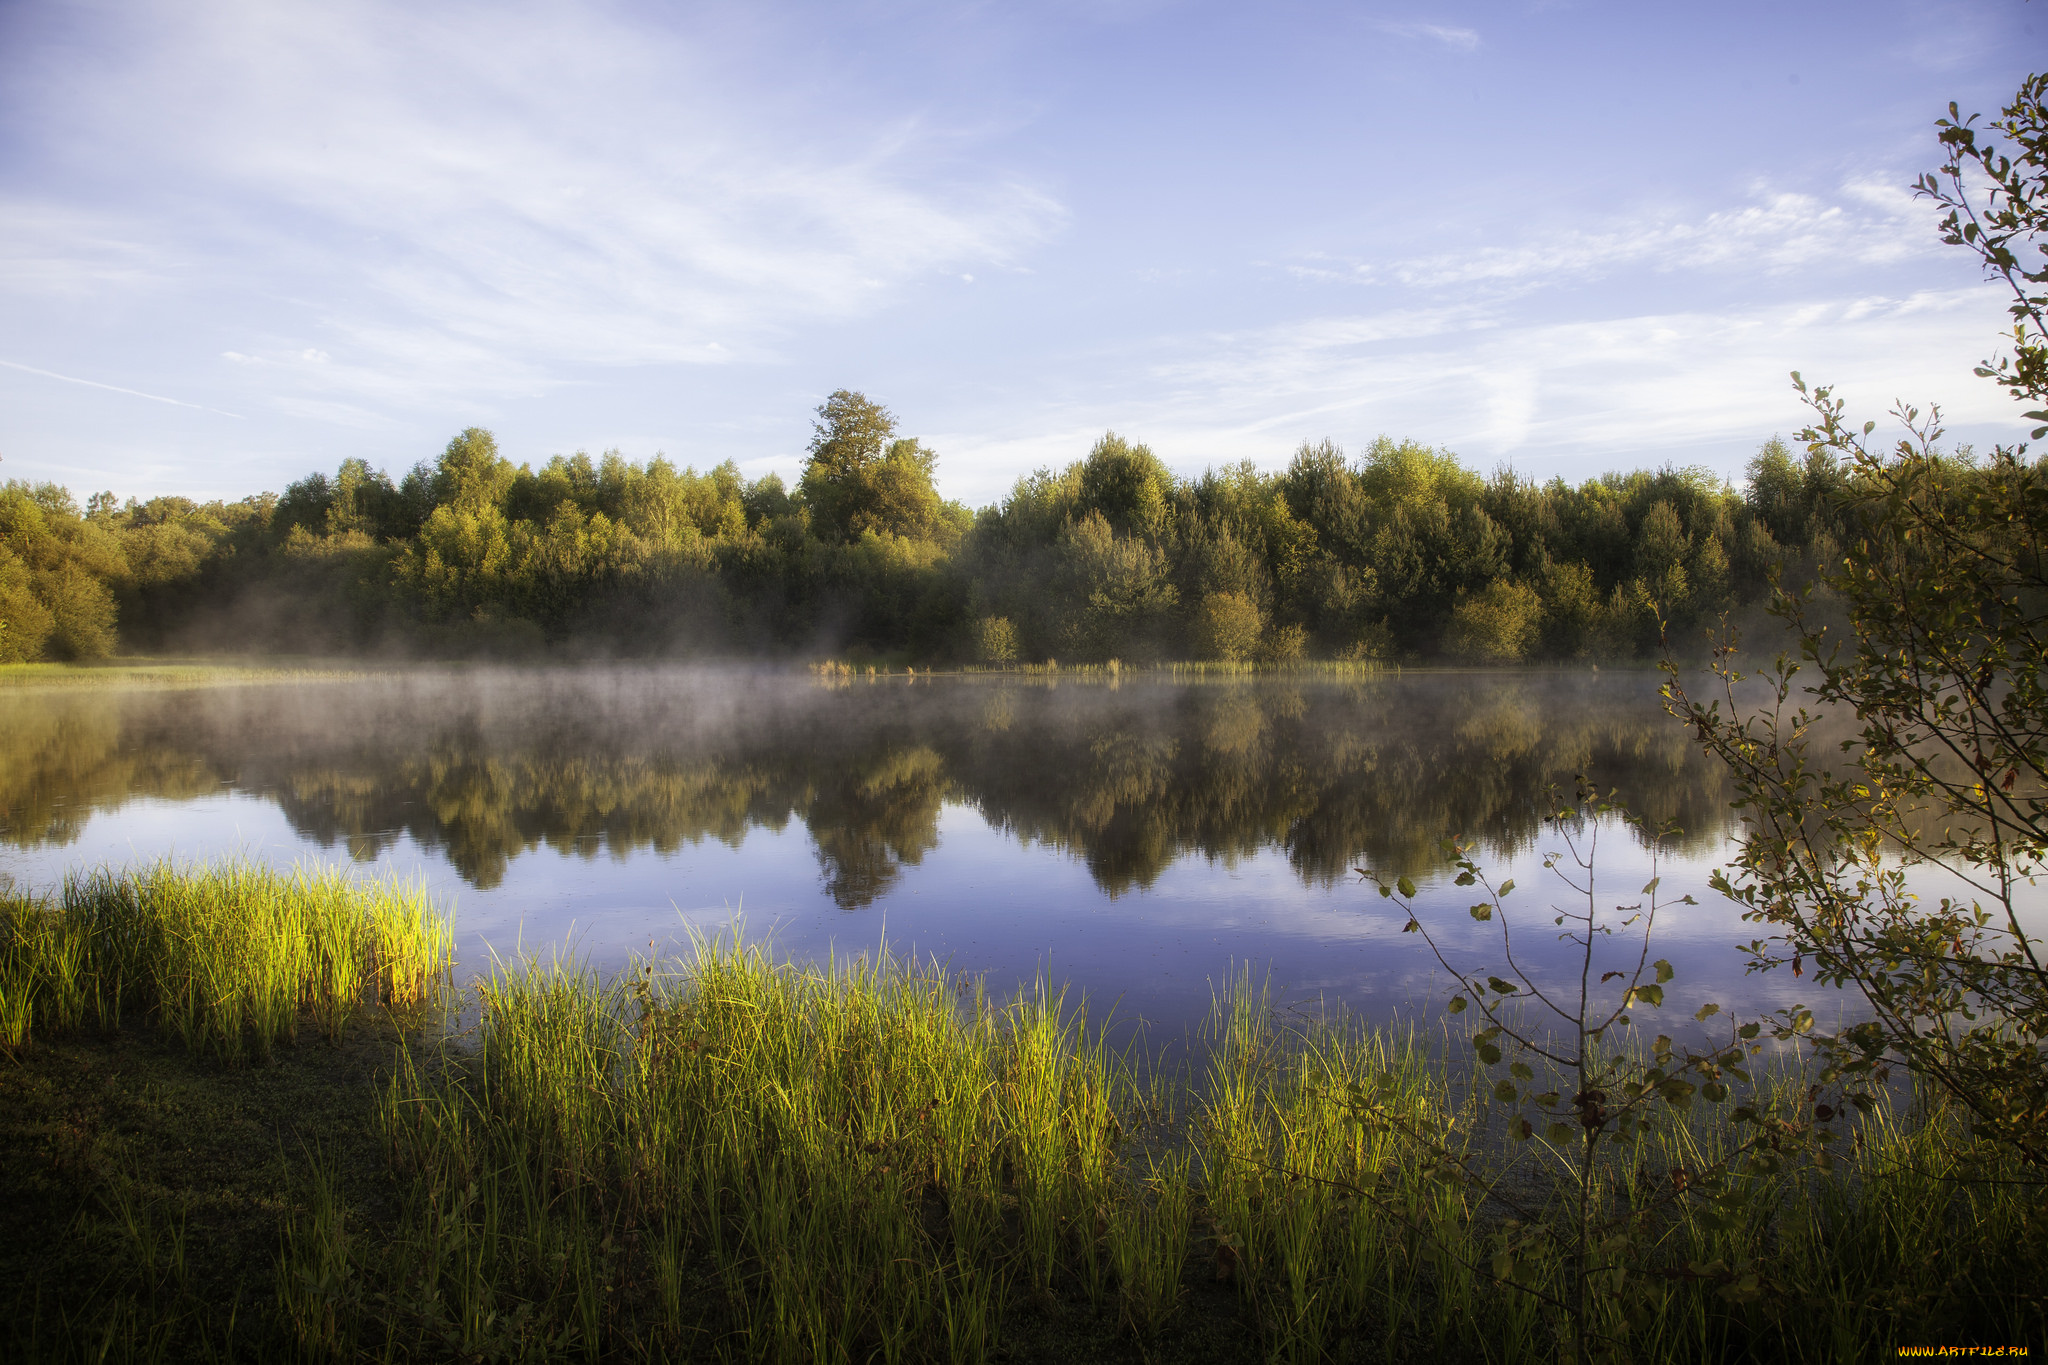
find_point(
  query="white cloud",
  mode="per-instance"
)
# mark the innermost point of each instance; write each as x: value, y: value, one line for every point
x: 69, y: 253
x: 1574, y: 397
x: 1863, y: 224
x: 511, y: 191
x: 112, y: 388
x: 1604, y: 385
x: 1458, y: 39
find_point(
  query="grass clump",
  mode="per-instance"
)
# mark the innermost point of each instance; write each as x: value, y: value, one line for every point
x: 870, y: 1161
x: 844, y: 1163
x: 232, y: 959
x: 732, y: 1158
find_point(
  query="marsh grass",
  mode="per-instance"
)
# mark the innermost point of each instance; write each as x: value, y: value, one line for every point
x: 730, y: 1158
x: 233, y: 959
x: 870, y: 1160
x: 126, y: 673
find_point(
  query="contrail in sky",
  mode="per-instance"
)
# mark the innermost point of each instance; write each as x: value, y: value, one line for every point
x: 116, y: 388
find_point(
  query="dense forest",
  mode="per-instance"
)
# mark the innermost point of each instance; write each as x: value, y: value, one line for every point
x: 1400, y: 553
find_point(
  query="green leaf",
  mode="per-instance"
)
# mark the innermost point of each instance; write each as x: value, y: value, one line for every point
x: 1457, y: 1004
x: 1521, y: 1070
x: 1482, y: 911
x: 1748, y: 1030
x: 1488, y: 1053
x: 1505, y: 1092
x: 1507, y: 886
x: 1714, y: 1091
x: 1501, y: 987
x: 1651, y: 885
x: 1558, y: 1132
x: 1649, y: 995
x: 1663, y: 970
x: 1407, y: 887
x: 1707, y: 1011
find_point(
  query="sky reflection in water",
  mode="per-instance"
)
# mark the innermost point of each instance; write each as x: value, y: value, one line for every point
x: 1139, y: 842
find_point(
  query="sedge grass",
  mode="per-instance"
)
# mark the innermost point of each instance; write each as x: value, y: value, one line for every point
x: 732, y: 1158
x: 231, y: 958
x: 870, y: 1160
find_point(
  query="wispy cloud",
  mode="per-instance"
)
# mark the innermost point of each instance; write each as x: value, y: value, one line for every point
x: 68, y: 253
x: 1458, y: 39
x: 509, y: 192
x: 116, y: 388
x: 1864, y: 224
x: 1576, y: 397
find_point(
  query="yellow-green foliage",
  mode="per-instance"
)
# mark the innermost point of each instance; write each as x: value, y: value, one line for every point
x: 232, y: 958
x: 1402, y: 551
x: 791, y: 1127
x: 1228, y: 627
x: 871, y: 1161
x: 1499, y: 624
x: 56, y: 572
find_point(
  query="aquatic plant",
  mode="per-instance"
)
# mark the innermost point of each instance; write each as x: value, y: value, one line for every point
x: 870, y: 1159
x: 232, y: 958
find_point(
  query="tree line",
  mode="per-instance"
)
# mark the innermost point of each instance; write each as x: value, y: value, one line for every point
x: 1402, y: 552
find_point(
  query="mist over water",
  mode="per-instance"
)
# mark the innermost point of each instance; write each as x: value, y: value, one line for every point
x: 1140, y: 840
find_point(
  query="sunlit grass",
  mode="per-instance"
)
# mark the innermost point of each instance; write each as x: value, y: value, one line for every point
x: 231, y: 958
x: 152, y: 673
x: 731, y: 1157
x: 873, y: 1160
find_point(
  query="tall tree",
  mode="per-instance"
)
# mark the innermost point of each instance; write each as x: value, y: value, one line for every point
x: 861, y: 477
x: 848, y: 439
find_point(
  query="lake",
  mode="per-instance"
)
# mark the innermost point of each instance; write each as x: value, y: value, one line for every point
x: 1142, y: 840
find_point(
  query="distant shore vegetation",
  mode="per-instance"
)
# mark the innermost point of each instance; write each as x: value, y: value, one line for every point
x: 1398, y: 553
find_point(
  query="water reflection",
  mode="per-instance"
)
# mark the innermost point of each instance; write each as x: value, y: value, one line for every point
x: 485, y: 766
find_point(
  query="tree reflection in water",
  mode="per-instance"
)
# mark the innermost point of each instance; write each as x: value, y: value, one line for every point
x: 485, y: 765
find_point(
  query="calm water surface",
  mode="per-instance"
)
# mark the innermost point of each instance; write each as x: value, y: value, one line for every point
x: 1139, y: 841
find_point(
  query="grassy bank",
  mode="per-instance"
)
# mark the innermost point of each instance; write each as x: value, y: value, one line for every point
x: 148, y: 672
x: 730, y: 1158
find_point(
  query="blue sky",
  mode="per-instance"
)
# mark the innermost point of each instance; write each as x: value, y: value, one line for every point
x: 241, y: 241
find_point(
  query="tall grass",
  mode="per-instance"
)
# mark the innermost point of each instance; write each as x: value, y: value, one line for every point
x: 870, y: 1160
x: 232, y: 958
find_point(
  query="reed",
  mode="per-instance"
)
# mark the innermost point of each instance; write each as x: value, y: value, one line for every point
x: 233, y: 959
x: 729, y: 1157
x: 870, y: 1160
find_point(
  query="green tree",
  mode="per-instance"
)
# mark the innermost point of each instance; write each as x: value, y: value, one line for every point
x: 1127, y: 484
x: 472, y: 474
x: 1499, y: 624
x: 27, y: 622
x: 1228, y: 627
x: 901, y: 499
x: 1945, y: 583
x: 58, y: 590
x: 850, y: 438
x: 1117, y: 592
x: 995, y: 640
